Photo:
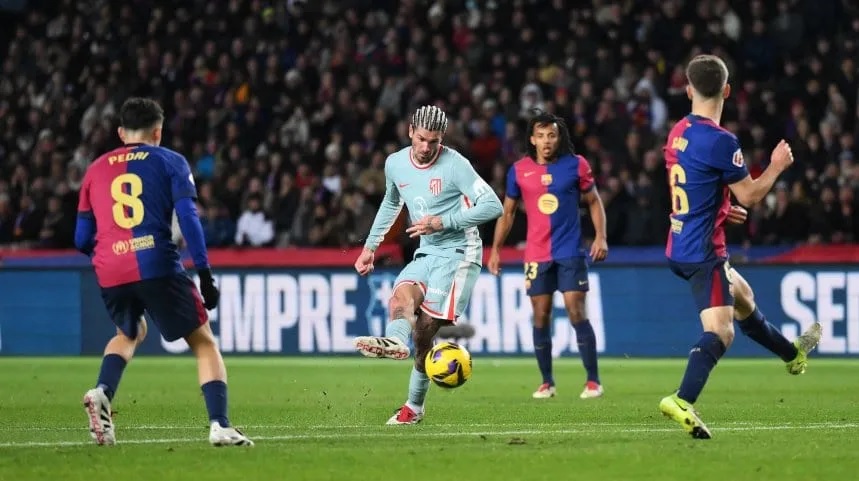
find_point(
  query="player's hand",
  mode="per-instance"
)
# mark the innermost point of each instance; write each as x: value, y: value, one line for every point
x: 782, y: 156
x: 364, y: 264
x: 424, y: 226
x: 494, y: 264
x: 737, y: 215
x: 210, y: 293
x: 599, y: 249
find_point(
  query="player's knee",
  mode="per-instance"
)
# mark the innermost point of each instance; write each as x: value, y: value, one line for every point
x: 576, y: 310
x: 202, y: 340
x: 401, y: 306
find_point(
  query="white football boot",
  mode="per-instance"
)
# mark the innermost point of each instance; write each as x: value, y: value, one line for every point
x: 97, y: 408
x: 592, y: 390
x: 545, y: 391
x: 406, y: 415
x: 389, y: 347
x: 230, y: 436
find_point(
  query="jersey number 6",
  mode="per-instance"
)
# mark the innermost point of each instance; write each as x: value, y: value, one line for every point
x: 126, y: 190
x: 679, y: 199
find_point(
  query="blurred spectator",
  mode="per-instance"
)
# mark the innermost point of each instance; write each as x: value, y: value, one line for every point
x: 290, y: 108
x: 254, y: 229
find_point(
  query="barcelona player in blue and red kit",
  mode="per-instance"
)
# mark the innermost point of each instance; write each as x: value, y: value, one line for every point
x: 125, y: 211
x: 705, y: 165
x: 551, y: 181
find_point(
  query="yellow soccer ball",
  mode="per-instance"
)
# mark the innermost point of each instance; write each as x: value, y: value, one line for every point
x: 448, y: 365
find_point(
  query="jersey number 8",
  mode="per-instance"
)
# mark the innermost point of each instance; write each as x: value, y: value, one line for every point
x: 126, y: 190
x: 679, y: 199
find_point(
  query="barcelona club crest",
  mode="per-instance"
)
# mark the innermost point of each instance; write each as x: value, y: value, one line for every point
x: 435, y: 186
x: 546, y: 179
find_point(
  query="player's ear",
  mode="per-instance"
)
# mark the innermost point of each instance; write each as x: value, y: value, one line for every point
x: 156, y: 135
x: 121, y: 133
x: 726, y: 92
x: 689, y: 92
x: 532, y: 140
x: 411, y: 130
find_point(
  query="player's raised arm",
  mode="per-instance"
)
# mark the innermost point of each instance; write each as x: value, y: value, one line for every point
x: 505, y: 222
x: 486, y: 206
x: 85, y: 227
x: 588, y: 188
x: 184, y: 193
x: 750, y: 191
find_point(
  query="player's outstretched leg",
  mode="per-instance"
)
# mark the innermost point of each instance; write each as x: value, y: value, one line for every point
x: 717, y: 337
x: 754, y: 324
x: 213, y: 382
x: 394, y: 345
x: 542, y: 332
x: 119, y: 350
x: 586, y: 339
x: 412, y: 412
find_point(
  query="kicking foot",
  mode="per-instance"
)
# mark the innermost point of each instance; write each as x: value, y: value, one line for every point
x: 405, y: 415
x: 805, y: 343
x: 229, y: 436
x: 592, y: 390
x: 97, y: 408
x: 685, y: 415
x: 545, y: 391
x: 389, y: 347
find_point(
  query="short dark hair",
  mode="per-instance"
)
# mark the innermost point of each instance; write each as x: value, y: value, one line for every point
x: 707, y: 74
x: 541, y: 119
x: 139, y: 113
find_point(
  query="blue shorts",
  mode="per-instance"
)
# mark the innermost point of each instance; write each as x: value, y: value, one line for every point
x: 564, y: 275
x: 172, y: 303
x: 710, y: 282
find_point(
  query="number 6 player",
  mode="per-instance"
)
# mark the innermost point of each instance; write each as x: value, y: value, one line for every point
x: 124, y: 217
x: 705, y: 164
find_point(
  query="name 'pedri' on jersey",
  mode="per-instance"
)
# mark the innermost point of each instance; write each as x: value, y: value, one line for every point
x: 447, y: 187
x: 551, y: 194
x: 702, y: 160
x: 131, y: 192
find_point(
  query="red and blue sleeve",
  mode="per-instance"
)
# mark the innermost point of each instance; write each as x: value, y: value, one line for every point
x: 727, y: 157
x: 184, y: 193
x: 85, y: 225
x: 513, y: 190
x: 586, y: 176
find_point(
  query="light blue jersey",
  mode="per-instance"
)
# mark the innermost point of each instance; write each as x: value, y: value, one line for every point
x: 448, y: 187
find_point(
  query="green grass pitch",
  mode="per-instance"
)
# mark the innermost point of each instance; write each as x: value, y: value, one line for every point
x: 323, y: 419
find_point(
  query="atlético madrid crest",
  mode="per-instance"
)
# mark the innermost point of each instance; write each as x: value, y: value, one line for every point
x: 435, y: 186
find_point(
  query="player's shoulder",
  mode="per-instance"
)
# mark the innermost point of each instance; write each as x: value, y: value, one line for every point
x: 522, y: 162
x: 706, y: 131
x: 169, y: 155
x: 394, y: 159
x: 451, y: 155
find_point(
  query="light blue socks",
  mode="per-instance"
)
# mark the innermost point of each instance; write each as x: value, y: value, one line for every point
x: 399, y: 328
x: 418, y: 386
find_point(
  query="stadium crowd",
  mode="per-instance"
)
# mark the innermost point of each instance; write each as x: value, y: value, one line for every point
x: 286, y: 110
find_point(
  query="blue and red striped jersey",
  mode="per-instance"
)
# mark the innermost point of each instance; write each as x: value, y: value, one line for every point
x: 702, y: 160
x: 131, y: 192
x: 551, y: 193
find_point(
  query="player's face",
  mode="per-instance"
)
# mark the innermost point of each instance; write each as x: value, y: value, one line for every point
x: 545, y: 138
x: 425, y: 144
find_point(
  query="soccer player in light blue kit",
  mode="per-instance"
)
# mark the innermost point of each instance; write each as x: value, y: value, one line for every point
x: 446, y: 201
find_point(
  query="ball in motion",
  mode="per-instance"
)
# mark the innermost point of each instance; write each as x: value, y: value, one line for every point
x: 448, y: 365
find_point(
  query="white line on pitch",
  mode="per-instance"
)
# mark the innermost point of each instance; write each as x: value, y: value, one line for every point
x: 400, y: 433
x: 320, y: 427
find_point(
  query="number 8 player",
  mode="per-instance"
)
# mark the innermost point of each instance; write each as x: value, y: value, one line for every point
x: 125, y: 211
x: 705, y: 164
